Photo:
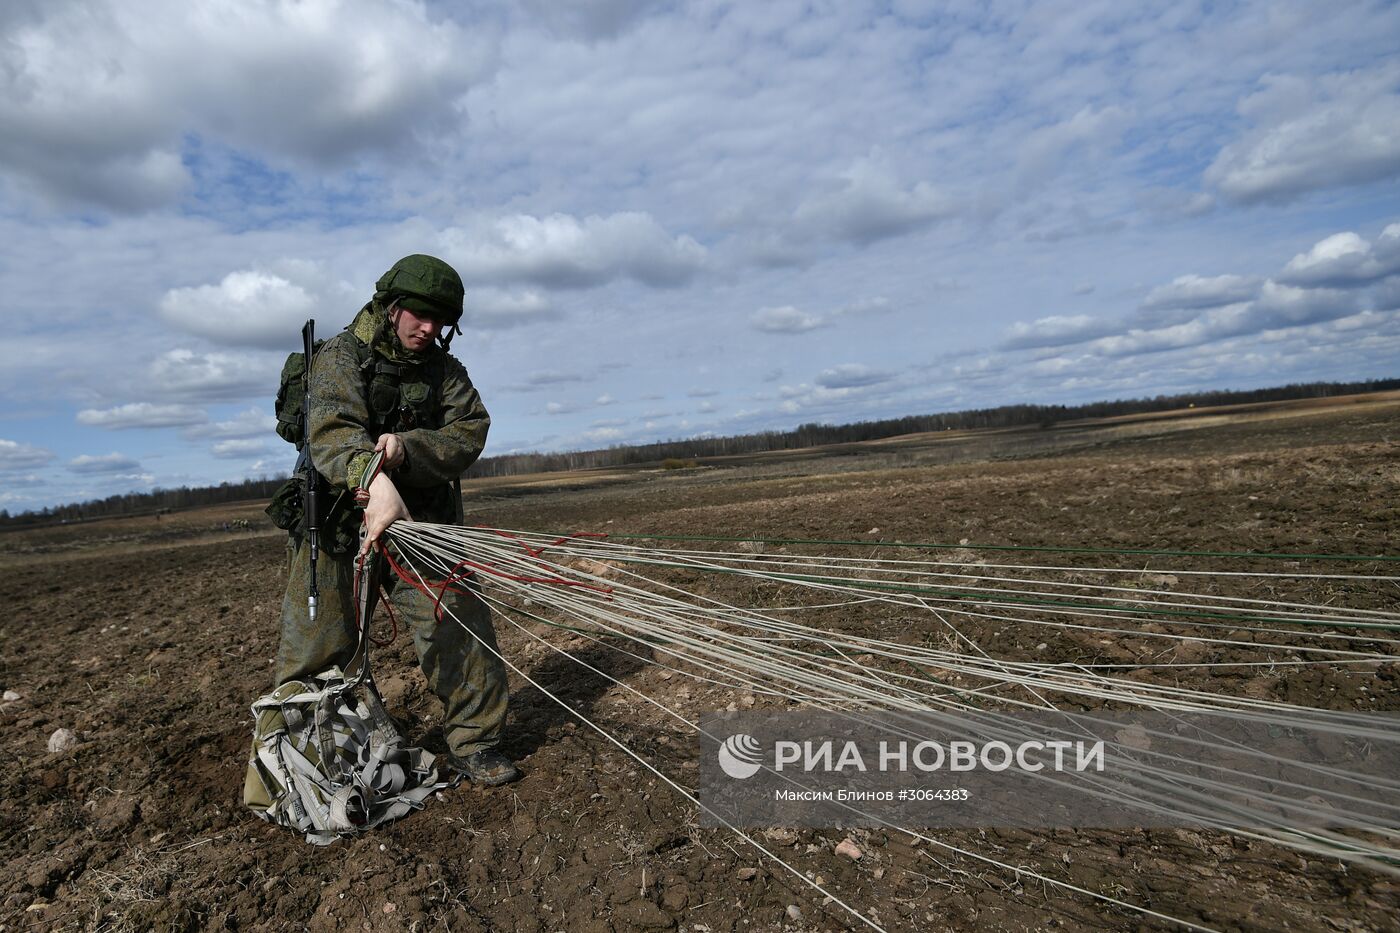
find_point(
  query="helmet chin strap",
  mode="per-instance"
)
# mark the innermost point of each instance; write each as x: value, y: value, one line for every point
x: 445, y: 338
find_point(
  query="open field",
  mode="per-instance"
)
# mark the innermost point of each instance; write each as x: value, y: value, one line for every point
x: 149, y: 638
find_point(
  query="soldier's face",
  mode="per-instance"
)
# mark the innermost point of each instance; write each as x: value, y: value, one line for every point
x: 415, y: 333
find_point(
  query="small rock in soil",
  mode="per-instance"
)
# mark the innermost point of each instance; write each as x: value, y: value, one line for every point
x: 794, y: 912
x: 62, y: 740
x: 11, y: 696
x: 747, y: 873
x: 848, y: 848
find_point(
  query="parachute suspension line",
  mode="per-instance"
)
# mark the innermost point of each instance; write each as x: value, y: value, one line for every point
x: 414, y: 578
x: 1383, y: 619
x: 693, y: 631
x: 1053, y: 670
x: 1025, y: 548
x: 807, y: 696
x: 509, y: 612
x: 516, y: 611
x: 1361, y: 618
x: 1057, y: 676
x: 902, y: 567
x: 831, y: 690
x: 721, y: 562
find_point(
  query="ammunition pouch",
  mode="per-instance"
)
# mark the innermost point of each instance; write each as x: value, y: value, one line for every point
x: 339, y: 521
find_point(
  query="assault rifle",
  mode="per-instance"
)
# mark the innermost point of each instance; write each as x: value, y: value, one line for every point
x: 312, y: 475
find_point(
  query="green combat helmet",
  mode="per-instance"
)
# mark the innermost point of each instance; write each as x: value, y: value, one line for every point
x: 424, y: 285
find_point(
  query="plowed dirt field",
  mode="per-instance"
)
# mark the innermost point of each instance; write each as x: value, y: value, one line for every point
x: 148, y: 638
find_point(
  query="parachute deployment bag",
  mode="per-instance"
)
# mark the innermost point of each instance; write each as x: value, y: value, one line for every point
x: 328, y: 761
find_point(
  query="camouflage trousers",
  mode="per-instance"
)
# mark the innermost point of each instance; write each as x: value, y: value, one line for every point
x: 456, y: 654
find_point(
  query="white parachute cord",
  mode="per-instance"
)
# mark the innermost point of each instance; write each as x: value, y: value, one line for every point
x: 1057, y: 678
x: 554, y: 542
x: 594, y: 549
x: 959, y: 606
x: 1169, y: 774
x: 443, y: 608
x: 1016, y: 870
x: 1307, y: 611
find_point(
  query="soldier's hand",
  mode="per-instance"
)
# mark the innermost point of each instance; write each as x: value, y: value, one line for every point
x: 393, y: 450
x: 385, y: 507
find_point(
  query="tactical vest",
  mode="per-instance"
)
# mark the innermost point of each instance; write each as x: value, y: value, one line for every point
x: 395, y: 405
x: 400, y: 398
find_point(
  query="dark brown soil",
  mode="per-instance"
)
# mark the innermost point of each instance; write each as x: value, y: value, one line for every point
x: 150, y: 638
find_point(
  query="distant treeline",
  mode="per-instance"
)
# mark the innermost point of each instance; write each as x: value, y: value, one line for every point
x: 816, y: 435
x: 807, y: 435
x: 146, y: 503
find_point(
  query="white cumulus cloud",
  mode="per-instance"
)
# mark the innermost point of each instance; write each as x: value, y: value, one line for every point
x: 1045, y: 150
x: 1195, y: 291
x: 1309, y: 134
x: 1289, y: 306
x: 561, y: 251
x: 784, y: 320
x: 209, y: 377
x: 1055, y: 331
x: 18, y: 456
x: 494, y: 308
x: 263, y: 307
x: 1345, y: 259
x: 238, y: 448
x: 253, y: 422
x: 97, y: 98
x: 1277, y: 307
x: 787, y: 319
x: 851, y: 376
x: 142, y: 415
x: 868, y: 202
x: 107, y: 463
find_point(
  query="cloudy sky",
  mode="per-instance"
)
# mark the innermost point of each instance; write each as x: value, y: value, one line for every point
x: 680, y: 218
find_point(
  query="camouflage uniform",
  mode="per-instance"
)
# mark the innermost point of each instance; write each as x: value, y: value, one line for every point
x: 445, y: 433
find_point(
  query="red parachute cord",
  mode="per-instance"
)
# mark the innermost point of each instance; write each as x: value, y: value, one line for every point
x: 389, y: 609
x: 465, y: 569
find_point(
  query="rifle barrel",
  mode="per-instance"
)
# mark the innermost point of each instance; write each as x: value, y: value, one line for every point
x: 308, y: 340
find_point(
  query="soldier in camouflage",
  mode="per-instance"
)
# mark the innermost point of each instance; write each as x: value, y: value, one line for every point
x: 388, y: 383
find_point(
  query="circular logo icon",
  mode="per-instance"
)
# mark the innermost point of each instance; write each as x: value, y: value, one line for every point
x: 740, y: 756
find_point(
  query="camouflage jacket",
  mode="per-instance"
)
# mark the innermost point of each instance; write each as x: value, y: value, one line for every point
x: 432, y: 406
